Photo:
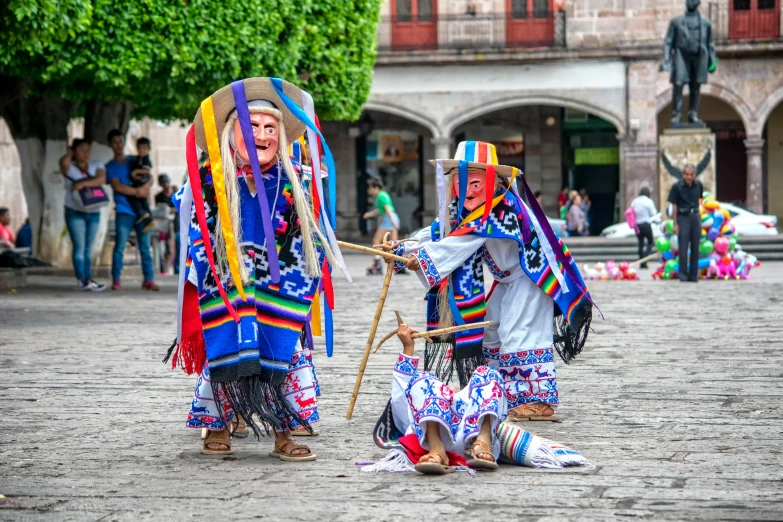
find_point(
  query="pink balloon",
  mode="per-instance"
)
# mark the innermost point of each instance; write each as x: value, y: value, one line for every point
x: 721, y: 245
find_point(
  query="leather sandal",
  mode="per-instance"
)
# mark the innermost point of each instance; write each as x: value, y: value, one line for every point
x: 284, y: 451
x: 434, y: 468
x: 533, y: 412
x: 481, y: 448
x: 217, y: 437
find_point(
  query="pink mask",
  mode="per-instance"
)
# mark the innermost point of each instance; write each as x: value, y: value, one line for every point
x: 475, y: 196
x: 266, y: 133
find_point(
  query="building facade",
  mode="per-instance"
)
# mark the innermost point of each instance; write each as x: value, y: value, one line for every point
x: 569, y: 91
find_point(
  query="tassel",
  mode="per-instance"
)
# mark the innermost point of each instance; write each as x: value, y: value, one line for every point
x: 569, y: 340
x: 396, y: 461
x: 169, y: 353
x: 439, y: 357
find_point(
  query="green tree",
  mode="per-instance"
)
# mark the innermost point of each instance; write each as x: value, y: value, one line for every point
x: 110, y: 60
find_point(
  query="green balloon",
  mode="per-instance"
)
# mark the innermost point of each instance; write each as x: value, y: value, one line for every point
x: 671, y: 265
x: 669, y: 226
x: 732, y: 242
x: 706, y: 247
x: 666, y: 275
x: 662, y: 244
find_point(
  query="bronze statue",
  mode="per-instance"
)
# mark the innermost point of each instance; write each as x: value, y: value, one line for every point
x: 688, y: 54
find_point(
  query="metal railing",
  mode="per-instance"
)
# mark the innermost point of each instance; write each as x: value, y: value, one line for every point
x: 745, y: 20
x: 526, y: 29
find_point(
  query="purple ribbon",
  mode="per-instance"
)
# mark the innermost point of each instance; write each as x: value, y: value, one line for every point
x: 243, y: 115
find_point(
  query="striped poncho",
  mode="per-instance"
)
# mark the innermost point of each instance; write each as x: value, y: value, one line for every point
x: 248, y: 359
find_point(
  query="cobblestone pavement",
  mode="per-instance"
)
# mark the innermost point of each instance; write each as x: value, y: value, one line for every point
x: 676, y: 402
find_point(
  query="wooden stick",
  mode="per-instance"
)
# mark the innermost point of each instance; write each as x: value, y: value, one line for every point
x: 368, y: 250
x: 435, y: 333
x: 644, y: 259
x: 399, y: 318
x: 371, y: 338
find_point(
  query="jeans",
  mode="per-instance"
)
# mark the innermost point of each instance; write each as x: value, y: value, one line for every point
x: 126, y: 223
x: 82, y: 227
x: 645, y: 232
x: 690, y: 235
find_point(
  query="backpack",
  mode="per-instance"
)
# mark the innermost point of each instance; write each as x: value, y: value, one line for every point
x: 630, y: 218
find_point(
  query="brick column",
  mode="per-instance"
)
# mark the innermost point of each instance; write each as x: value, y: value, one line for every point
x: 754, y: 147
x: 442, y: 147
x: 638, y: 168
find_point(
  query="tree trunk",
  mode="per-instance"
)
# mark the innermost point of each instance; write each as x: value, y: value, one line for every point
x: 39, y: 127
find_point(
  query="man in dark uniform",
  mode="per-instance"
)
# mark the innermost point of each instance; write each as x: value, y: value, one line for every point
x: 684, y: 196
x: 688, y: 53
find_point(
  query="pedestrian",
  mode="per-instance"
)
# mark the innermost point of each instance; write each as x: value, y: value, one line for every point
x: 24, y: 237
x: 643, y: 210
x: 388, y: 220
x: 7, y: 238
x: 140, y: 172
x: 562, y: 198
x: 684, y: 196
x: 576, y: 221
x: 172, y: 231
x: 119, y: 176
x: 80, y: 172
x: 587, y: 209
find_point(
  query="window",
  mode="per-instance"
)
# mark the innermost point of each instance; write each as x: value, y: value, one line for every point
x: 403, y: 10
x: 540, y: 9
x: 742, y: 5
x: 425, y: 10
x: 766, y: 4
x: 519, y: 9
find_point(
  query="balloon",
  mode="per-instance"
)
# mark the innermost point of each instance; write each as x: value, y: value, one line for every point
x: 706, y: 247
x: 725, y: 260
x: 704, y: 262
x: 732, y: 243
x: 668, y: 226
x: 668, y: 255
x: 703, y: 233
x: 726, y: 215
x: 717, y: 219
x: 706, y: 221
x: 713, y: 234
x: 710, y: 204
x: 666, y: 275
x: 669, y: 210
x: 671, y: 265
x: 721, y: 245
x: 674, y: 242
x: 662, y: 244
x: 727, y: 229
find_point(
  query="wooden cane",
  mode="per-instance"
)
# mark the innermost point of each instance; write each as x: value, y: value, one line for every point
x: 371, y: 338
x: 368, y: 250
x: 436, y: 333
x: 644, y: 259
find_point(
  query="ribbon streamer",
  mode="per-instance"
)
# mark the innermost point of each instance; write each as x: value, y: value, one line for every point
x: 218, y: 181
x: 443, y: 202
x: 243, y: 115
x: 201, y: 217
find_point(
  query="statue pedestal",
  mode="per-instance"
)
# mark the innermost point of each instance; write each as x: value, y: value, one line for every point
x: 680, y: 147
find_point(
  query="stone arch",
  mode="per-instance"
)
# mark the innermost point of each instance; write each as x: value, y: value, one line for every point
x: 725, y: 94
x: 406, y: 113
x: 537, y: 99
x: 769, y: 104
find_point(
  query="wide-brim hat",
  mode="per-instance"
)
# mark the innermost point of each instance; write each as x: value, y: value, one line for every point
x: 477, y: 154
x: 255, y: 89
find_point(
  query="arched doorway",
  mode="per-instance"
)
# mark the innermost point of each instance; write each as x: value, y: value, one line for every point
x: 556, y: 147
x: 394, y: 149
x: 731, y: 163
x: 772, y: 163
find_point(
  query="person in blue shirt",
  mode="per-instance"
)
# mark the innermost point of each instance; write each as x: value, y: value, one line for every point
x: 24, y: 238
x: 119, y: 177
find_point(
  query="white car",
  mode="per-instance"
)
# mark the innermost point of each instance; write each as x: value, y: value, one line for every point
x: 747, y: 224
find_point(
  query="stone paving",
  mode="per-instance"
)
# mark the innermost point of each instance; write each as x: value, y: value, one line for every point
x: 676, y: 402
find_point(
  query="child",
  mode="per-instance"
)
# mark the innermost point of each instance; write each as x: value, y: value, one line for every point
x: 140, y: 166
x: 443, y: 419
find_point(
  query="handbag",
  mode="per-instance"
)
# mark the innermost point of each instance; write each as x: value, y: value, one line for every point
x: 90, y: 198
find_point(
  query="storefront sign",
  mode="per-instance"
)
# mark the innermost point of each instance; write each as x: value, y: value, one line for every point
x: 601, y: 156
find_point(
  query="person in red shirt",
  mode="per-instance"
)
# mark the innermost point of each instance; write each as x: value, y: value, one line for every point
x: 7, y: 238
x: 562, y: 198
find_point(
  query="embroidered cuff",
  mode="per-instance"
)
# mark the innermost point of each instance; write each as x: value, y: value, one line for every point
x: 428, y: 269
x: 399, y: 250
x: 406, y: 365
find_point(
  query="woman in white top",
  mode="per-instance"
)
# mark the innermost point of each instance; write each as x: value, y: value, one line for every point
x: 82, y: 224
x: 644, y: 210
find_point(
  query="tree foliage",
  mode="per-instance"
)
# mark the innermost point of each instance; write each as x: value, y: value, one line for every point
x: 165, y: 57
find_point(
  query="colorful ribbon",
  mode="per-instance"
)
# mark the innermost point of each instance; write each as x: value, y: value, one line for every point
x: 243, y: 115
x: 198, y: 203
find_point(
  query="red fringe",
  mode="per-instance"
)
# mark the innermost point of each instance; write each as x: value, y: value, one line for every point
x: 190, y: 355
